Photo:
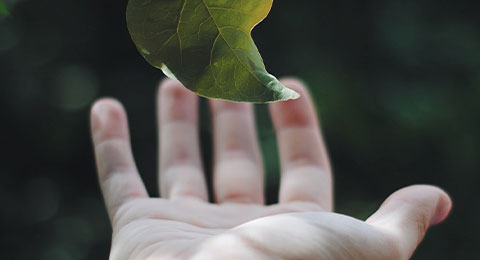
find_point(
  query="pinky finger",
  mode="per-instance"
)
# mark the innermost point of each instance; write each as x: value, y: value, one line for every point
x: 118, y: 176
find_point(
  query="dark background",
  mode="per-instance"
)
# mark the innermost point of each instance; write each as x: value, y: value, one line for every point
x: 396, y: 83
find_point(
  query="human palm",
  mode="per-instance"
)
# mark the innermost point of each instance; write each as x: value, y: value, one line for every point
x: 182, y: 224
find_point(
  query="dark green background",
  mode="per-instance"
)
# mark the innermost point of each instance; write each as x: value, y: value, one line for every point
x: 397, y: 85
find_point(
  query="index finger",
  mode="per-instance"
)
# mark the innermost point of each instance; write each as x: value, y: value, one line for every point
x: 118, y: 176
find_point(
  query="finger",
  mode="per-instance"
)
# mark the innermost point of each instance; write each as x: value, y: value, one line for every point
x: 306, y: 173
x: 409, y: 212
x: 238, y: 170
x: 180, y: 166
x: 118, y: 175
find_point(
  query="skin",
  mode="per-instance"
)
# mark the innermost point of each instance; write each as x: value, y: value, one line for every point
x: 182, y: 224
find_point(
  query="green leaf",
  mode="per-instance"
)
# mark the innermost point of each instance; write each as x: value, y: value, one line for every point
x: 207, y: 45
x: 3, y: 8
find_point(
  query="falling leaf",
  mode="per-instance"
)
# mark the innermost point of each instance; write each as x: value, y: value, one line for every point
x: 207, y: 45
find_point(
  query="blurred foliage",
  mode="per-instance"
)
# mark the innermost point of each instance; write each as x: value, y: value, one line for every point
x: 3, y: 8
x: 396, y: 84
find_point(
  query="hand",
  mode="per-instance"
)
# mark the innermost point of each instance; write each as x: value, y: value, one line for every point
x: 182, y: 224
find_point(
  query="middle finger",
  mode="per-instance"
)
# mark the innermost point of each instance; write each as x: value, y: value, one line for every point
x: 238, y: 169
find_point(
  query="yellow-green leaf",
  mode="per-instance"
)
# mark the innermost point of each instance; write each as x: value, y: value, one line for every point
x: 207, y: 45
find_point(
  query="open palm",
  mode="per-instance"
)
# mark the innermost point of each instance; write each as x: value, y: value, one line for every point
x: 184, y: 225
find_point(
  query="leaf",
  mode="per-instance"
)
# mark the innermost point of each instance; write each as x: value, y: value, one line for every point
x: 207, y: 45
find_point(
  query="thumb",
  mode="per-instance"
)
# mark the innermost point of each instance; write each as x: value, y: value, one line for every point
x: 409, y: 212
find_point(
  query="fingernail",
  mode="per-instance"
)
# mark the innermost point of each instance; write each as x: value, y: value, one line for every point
x: 444, y: 206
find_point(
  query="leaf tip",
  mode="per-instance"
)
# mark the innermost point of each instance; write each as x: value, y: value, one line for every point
x: 285, y: 94
x: 167, y: 72
x: 293, y: 94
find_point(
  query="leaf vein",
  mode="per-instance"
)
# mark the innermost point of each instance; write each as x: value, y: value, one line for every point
x: 229, y: 9
x: 220, y: 34
x: 211, y: 65
x: 235, y: 28
x: 196, y: 8
x: 235, y: 81
x: 167, y: 41
x: 178, y: 30
x: 202, y: 23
